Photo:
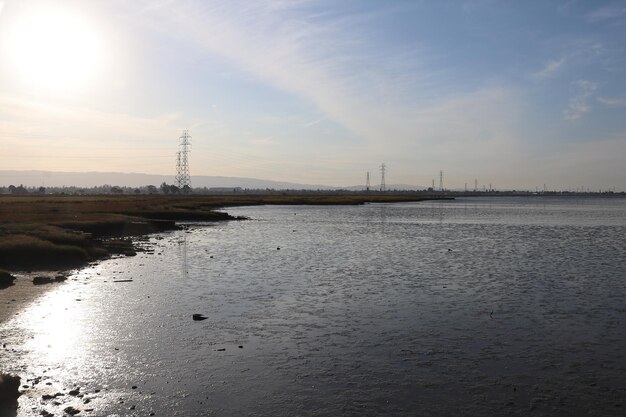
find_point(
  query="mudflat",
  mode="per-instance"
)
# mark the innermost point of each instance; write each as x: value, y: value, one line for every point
x: 17, y: 296
x: 59, y: 233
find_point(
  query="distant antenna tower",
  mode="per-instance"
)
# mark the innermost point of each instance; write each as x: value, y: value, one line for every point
x: 183, y: 179
x: 383, y: 168
x: 367, y: 182
x: 440, y: 180
x: 475, y: 184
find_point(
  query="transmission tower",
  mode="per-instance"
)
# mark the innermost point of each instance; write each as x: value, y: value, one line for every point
x: 367, y: 182
x: 441, y: 181
x: 183, y: 179
x: 475, y: 185
x: 383, y: 168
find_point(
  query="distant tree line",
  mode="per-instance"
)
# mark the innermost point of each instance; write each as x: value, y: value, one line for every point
x: 171, y: 189
x: 106, y: 189
x: 102, y: 189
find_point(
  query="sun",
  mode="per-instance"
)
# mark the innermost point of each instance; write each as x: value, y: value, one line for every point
x: 54, y: 49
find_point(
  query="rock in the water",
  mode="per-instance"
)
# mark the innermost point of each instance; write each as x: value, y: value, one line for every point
x: 60, y: 278
x: 198, y: 317
x: 71, y: 411
x: 42, y: 280
x: 6, y: 279
x: 74, y: 391
x: 9, y: 391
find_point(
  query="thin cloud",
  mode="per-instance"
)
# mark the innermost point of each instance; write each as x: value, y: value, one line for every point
x: 578, y: 105
x: 314, y: 122
x: 264, y: 141
x: 550, y: 69
x: 328, y: 63
x: 609, y: 12
x: 612, y: 102
x: 77, y: 136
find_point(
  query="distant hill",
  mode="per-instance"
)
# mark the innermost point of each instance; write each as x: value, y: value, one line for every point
x: 92, y: 179
x: 399, y: 187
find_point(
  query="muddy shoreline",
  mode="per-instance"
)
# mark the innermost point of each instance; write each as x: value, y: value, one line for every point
x: 27, y: 288
x: 50, y: 236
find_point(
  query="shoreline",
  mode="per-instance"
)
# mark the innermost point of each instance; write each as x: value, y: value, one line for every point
x: 247, y: 294
x: 107, y: 237
x: 21, y: 294
x: 39, y: 233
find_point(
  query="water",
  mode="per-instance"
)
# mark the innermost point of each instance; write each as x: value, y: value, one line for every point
x: 507, y: 306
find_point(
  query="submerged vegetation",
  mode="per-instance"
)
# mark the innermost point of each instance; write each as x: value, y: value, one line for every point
x: 56, y: 232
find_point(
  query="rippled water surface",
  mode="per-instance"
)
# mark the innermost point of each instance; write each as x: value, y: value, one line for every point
x: 469, y: 307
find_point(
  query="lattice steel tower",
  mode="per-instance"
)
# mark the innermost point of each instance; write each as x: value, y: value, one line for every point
x: 383, y: 168
x: 367, y: 182
x: 183, y: 179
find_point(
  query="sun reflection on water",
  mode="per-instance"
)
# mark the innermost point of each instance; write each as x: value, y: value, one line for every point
x: 331, y: 320
x: 59, y: 327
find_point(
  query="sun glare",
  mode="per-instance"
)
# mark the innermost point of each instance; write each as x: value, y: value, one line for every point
x: 54, y: 50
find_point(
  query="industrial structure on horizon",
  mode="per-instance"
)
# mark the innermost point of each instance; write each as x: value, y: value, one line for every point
x: 183, y: 178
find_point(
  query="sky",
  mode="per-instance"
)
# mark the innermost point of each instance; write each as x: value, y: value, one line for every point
x: 516, y: 94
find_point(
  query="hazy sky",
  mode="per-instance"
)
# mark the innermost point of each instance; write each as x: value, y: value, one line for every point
x: 514, y: 93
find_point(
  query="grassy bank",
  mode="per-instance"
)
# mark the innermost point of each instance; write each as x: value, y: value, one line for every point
x: 57, y: 232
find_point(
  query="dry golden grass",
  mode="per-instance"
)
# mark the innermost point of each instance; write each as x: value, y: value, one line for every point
x: 24, y: 251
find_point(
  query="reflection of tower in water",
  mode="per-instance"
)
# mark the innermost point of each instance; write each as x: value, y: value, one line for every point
x: 376, y: 217
x: 440, y: 211
x: 182, y: 250
x: 437, y: 211
x: 382, y: 215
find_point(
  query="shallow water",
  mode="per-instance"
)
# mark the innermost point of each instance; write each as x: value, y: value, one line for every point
x: 505, y: 306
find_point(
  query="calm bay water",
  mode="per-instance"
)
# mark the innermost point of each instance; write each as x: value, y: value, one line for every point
x: 507, y: 306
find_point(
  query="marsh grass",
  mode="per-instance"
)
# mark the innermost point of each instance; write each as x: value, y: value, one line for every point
x: 25, y: 251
